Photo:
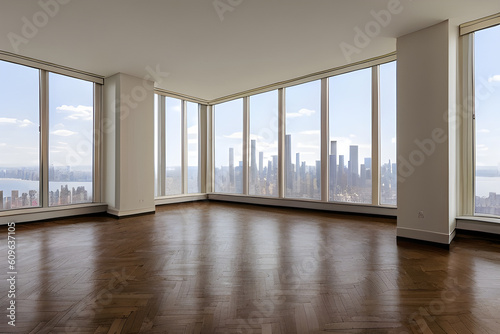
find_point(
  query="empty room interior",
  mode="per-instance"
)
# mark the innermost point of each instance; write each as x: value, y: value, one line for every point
x: 237, y: 166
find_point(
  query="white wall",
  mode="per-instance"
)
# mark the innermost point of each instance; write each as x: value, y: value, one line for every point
x: 129, y: 145
x: 426, y: 85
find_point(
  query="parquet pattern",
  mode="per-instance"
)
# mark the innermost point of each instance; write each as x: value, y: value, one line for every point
x: 225, y: 268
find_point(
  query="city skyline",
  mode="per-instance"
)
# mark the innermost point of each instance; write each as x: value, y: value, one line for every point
x: 349, y: 182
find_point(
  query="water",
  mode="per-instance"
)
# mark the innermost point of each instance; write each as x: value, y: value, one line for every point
x: 485, y: 185
x: 24, y: 186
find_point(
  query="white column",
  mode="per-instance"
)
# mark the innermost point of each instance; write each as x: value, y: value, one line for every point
x: 426, y: 89
x: 128, y: 145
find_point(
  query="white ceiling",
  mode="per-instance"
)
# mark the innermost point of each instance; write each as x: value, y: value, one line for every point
x: 258, y: 42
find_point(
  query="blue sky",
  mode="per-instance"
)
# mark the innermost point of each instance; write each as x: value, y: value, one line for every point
x: 70, y: 106
x: 70, y: 120
x: 228, y: 131
x: 19, y: 119
x: 487, y: 86
x: 350, y: 118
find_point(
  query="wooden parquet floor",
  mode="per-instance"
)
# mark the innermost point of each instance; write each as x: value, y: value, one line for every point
x: 210, y: 267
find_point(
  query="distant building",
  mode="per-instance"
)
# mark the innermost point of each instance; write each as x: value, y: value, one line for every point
x: 231, y: 166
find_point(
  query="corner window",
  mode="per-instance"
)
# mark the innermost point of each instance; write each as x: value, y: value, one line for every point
x: 487, y: 121
x: 59, y: 133
x: 19, y: 137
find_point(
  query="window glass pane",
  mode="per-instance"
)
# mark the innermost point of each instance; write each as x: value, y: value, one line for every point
x: 388, y: 171
x: 228, y: 147
x: 350, y: 137
x: 156, y: 146
x: 71, y: 143
x: 19, y: 136
x: 173, y: 174
x: 303, y: 141
x: 263, y: 172
x: 487, y: 107
x: 193, y: 147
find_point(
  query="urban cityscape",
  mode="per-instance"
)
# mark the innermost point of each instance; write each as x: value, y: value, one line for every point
x: 60, y: 193
x: 173, y: 181
x: 489, y: 205
x: 349, y: 182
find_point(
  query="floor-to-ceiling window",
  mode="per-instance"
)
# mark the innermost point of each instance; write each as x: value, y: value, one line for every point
x: 263, y: 164
x: 193, y: 147
x: 173, y: 144
x: 388, y: 170
x: 303, y: 141
x: 355, y: 103
x: 177, y: 153
x: 47, y: 123
x: 228, y: 147
x: 487, y: 121
x: 19, y: 136
x: 71, y: 144
x: 350, y: 97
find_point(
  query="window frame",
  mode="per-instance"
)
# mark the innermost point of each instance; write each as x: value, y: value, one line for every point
x: 466, y: 164
x: 374, y: 64
x: 44, y: 68
x: 160, y: 113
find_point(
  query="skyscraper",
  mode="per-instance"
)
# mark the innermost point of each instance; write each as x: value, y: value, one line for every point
x: 368, y: 163
x: 340, y: 176
x: 261, y: 164
x: 349, y: 173
x: 318, y: 173
x: 15, y: 195
x: 269, y: 175
x: 353, y: 157
x: 253, y: 162
x: 363, y: 175
x: 297, y: 165
x: 333, y: 164
x: 231, y: 166
x: 275, y: 166
x: 288, y: 162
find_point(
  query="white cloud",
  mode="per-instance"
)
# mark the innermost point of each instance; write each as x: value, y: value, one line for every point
x: 63, y: 133
x: 235, y: 135
x: 21, y: 123
x: 256, y: 137
x: 310, y: 132
x: 482, y: 147
x: 80, y: 112
x: 8, y: 120
x: 484, y: 131
x: 494, y: 78
x: 314, y: 147
x: 300, y: 113
x: 3, y: 144
x: 25, y: 122
x: 192, y: 130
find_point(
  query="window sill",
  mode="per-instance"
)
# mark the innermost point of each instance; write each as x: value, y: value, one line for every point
x: 35, y: 214
x: 356, y: 208
x: 180, y: 198
x: 479, y: 224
